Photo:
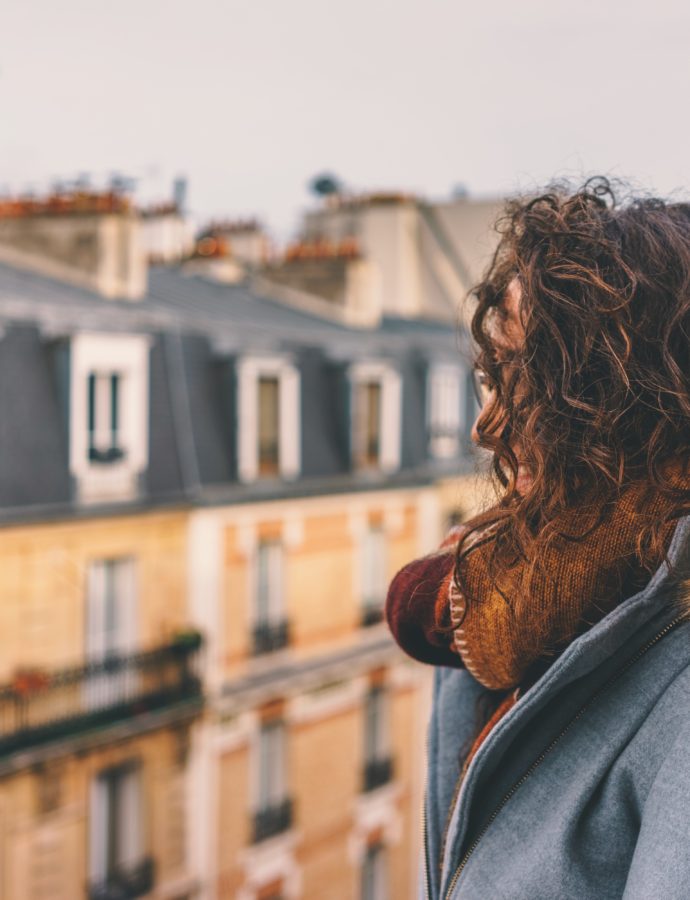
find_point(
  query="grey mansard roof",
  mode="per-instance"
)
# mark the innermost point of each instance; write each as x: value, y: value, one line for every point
x: 197, y: 328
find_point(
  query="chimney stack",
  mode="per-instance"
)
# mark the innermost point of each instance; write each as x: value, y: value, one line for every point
x: 86, y: 238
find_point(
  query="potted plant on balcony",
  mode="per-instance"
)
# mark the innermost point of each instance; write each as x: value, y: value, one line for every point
x: 186, y: 639
x: 27, y: 681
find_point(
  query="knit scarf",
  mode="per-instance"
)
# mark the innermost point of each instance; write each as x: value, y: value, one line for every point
x: 507, y: 635
x: 510, y: 630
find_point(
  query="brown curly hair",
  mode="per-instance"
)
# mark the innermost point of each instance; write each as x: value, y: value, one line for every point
x: 597, y: 396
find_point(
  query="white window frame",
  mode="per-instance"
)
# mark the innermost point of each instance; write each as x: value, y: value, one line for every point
x: 128, y: 777
x: 249, y: 370
x: 128, y: 357
x: 444, y: 404
x: 391, y: 411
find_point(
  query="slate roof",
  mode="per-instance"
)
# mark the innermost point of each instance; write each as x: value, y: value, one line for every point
x: 197, y: 326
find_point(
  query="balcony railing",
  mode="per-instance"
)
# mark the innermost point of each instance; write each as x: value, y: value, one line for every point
x: 272, y: 820
x: 124, y: 884
x: 37, y: 706
x: 372, y: 613
x: 377, y: 772
x: 270, y: 636
x: 110, y: 455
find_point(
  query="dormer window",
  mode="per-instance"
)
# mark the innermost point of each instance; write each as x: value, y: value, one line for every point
x: 375, y: 418
x: 108, y: 427
x: 268, y: 421
x: 104, y: 416
x: 444, y: 410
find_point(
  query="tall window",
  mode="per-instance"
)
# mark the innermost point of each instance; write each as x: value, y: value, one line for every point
x: 270, y: 625
x: 110, y: 608
x: 377, y: 760
x: 269, y: 425
x: 368, y: 424
x: 104, y: 417
x: 115, y: 849
x: 111, y: 628
x: 444, y: 411
x: 273, y: 813
x: 374, y: 574
x: 374, y: 876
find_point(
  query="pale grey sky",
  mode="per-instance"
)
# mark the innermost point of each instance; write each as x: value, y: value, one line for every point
x: 250, y: 98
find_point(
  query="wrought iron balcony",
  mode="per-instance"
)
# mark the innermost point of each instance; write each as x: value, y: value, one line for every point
x: 272, y: 820
x: 377, y: 771
x: 372, y: 614
x: 38, y: 706
x: 124, y: 884
x: 270, y: 636
x: 110, y: 455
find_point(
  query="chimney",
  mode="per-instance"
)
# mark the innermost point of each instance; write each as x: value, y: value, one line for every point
x: 89, y: 239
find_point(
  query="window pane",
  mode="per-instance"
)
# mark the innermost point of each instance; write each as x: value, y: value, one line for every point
x: 104, y: 399
x: 269, y: 424
x: 373, y: 432
x: 373, y: 743
x: 374, y: 873
x: 269, y: 582
x: 271, y: 764
x: 471, y: 404
x: 91, y: 408
x: 367, y: 423
x: 111, y: 823
x: 262, y: 585
x: 114, y: 409
x: 129, y: 817
x: 368, y: 878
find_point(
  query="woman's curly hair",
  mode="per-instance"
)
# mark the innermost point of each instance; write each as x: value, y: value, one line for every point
x: 598, y: 394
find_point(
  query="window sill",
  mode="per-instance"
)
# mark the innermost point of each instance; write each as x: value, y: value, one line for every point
x: 105, y: 482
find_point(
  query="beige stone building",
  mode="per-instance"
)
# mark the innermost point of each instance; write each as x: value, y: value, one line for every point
x: 204, y: 491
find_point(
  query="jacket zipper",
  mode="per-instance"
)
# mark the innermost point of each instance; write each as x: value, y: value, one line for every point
x: 425, y: 839
x: 537, y: 762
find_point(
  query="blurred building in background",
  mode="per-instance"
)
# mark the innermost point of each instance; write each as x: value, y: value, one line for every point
x: 206, y: 483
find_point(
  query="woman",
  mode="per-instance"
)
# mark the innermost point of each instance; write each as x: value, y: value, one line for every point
x: 559, y: 741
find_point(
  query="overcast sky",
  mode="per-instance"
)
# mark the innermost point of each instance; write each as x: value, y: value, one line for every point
x: 250, y: 98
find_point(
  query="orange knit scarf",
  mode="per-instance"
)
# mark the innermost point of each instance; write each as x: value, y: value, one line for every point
x: 507, y: 632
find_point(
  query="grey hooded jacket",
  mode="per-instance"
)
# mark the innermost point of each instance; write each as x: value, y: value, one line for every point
x: 582, y: 790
